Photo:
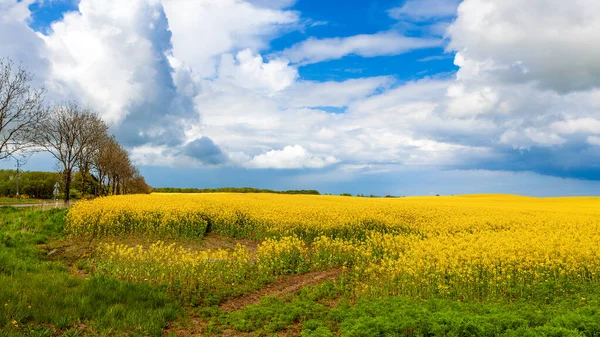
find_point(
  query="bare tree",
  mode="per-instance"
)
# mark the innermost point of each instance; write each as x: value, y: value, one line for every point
x: 137, y: 184
x: 104, y: 162
x: 97, y: 133
x: 21, y: 108
x: 67, y: 133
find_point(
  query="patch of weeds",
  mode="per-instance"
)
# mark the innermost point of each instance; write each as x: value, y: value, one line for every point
x: 38, y: 296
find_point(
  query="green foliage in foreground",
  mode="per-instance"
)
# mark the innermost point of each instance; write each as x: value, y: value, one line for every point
x: 40, y: 298
x: 311, y: 314
x: 230, y: 190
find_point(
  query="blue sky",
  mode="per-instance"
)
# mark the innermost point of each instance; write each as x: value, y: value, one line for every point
x: 402, y: 97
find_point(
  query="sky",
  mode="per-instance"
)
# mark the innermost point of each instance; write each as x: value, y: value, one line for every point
x: 400, y: 97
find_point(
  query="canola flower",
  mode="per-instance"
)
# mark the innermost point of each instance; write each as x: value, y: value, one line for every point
x: 186, y: 272
x: 464, y: 247
x: 192, y: 274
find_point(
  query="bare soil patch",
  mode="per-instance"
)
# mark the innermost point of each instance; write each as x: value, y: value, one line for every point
x: 196, y: 327
x: 217, y: 241
x: 281, y: 288
x: 69, y: 251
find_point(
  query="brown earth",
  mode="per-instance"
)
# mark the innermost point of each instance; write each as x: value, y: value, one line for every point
x: 69, y: 251
x: 217, y: 241
x: 281, y: 288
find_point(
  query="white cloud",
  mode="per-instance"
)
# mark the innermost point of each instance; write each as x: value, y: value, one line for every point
x: 86, y: 47
x: 549, y: 42
x: 425, y: 9
x: 366, y: 45
x: 273, y: 3
x: 249, y: 71
x: 463, y: 103
x: 291, y: 157
x: 523, y: 96
x: 204, y: 30
x: 579, y: 125
x: 19, y: 42
x: 13, y: 10
x: 593, y: 140
x: 333, y: 93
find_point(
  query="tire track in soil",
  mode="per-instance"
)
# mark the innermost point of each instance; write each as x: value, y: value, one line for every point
x: 281, y: 288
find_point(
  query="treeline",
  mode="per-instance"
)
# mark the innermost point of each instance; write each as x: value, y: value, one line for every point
x: 36, y: 185
x: 79, y: 141
x: 230, y: 190
x: 75, y: 136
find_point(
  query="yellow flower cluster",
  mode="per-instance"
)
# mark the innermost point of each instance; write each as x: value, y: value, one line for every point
x: 186, y: 272
x: 191, y: 275
x: 127, y: 215
x: 286, y: 256
x: 459, y: 247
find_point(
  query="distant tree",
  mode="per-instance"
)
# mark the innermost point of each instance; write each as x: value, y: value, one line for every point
x: 68, y: 133
x: 102, y: 163
x: 97, y: 132
x: 137, y: 184
x: 230, y: 190
x: 114, y: 172
x: 38, y: 185
x: 21, y: 108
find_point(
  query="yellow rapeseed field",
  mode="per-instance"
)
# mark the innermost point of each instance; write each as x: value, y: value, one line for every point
x: 462, y: 247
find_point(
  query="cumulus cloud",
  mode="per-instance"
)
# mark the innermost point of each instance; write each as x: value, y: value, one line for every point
x: 19, y: 42
x: 204, y: 30
x: 176, y: 78
x: 333, y: 93
x: 549, y: 42
x: 579, y: 125
x: 316, y: 50
x: 204, y: 150
x: 249, y: 71
x: 113, y: 55
x: 463, y: 103
x: 290, y: 157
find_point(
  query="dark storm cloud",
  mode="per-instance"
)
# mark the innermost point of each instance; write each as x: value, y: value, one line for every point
x: 205, y: 150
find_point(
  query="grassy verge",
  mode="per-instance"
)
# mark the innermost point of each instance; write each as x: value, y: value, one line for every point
x: 44, y: 298
x: 15, y: 201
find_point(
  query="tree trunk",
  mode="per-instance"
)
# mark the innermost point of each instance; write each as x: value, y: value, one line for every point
x: 67, y: 181
x: 123, y: 187
x: 83, y: 176
x: 114, y: 185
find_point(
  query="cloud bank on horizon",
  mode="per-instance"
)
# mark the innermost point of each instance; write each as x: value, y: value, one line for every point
x: 327, y: 89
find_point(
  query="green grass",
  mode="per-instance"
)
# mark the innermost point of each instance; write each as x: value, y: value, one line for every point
x: 41, y: 298
x: 311, y: 313
x: 21, y: 201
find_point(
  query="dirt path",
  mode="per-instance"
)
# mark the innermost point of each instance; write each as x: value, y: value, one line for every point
x: 288, y: 285
x: 281, y: 288
x: 44, y: 206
